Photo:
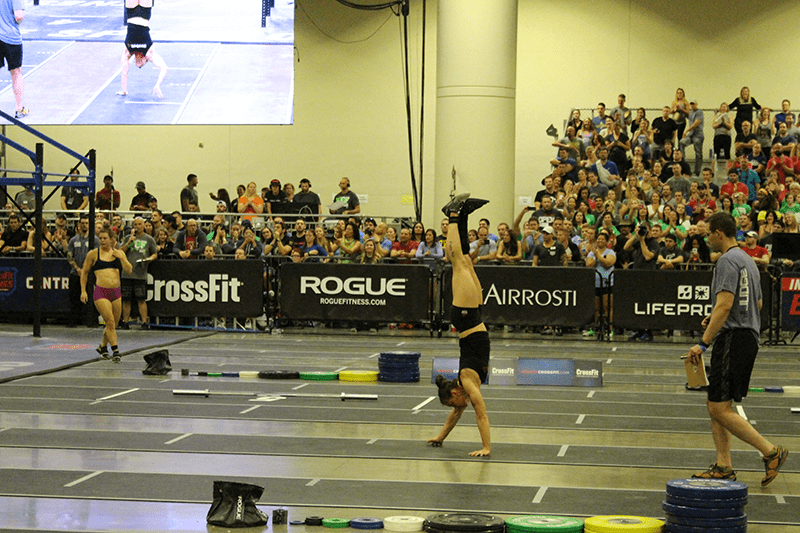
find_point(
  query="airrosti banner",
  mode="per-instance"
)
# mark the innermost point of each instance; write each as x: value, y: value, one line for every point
x: 525, y: 295
x: 190, y: 288
x: 372, y: 293
x: 16, y: 286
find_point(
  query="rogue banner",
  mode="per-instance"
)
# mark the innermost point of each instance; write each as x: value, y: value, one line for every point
x: 522, y: 295
x: 190, y: 288
x: 16, y: 286
x: 372, y: 293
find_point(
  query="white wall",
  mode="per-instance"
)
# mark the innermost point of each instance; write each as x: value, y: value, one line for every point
x: 350, y: 112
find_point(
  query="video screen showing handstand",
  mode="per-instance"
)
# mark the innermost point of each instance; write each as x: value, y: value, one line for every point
x: 147, y: 62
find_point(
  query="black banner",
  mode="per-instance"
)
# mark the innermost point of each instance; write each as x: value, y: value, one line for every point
x: 372, y: 293
x: 659, y: 299
x: 16, y: 286
x: 525, y: 295
x: 190, y: 288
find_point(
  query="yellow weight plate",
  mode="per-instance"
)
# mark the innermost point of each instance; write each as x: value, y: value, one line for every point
x: 358, y: 375
x: 622, y: 524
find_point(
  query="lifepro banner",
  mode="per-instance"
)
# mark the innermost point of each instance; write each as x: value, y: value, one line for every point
x: 526, y: 295
x: 659, y: 299
x: 16, y: 286
x: 372, y: 293
x: 190, y: 288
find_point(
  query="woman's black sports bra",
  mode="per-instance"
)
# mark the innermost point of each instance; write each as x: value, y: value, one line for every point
x: 138, y: 11
x: 104, y: 265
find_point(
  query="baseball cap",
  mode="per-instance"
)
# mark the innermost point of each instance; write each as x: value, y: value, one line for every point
x: 752, y: 233
x: 547, y: 229
x: 222, y: 203
x: 275, y: 182
x: 140, y: 185
x: 369, y: 219
x: 693, y: 101
x: 671, y: 236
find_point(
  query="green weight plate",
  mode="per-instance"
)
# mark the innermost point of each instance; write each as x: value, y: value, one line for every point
x: 319, y: 376
x: 336, y: 523
x: 543, y: 523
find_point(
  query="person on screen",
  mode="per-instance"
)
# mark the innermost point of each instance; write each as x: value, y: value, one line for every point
x: 11, y: 14
x: 139, y: 45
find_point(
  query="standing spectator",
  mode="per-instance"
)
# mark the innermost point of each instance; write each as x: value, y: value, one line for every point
x: 26, y: 199
x: 680, y: 110
x: 190, y: 243
x: 764, y: 128
x: 74, y: 198
x: 600, y: 119
x: 679, y: 182
x: 783, y: 138
x: 107, y: 198
x: 670, y: 254
x: 744, y: 106
x: 562, y: 233
x: 606, y: 170
x: 345, y: 202
x: 11, y: 14
x: 140, y: 249
x: 223, y: 196
x: 785, y: 113
x: 311, y: 199
x: 644, y: 252
x: 618, y: 145
x: 621, y: 114
x: 694, y: 135
x: 141, y: 202
x: 550, y: 252
x: 77, y: 248
x: 722, y: 124
x: 250, y: 203
x: 792, y: 130
x: 275, y: 198
x: 664, y: 129
x: 602, y: 259
x: 190, y: 202
x: 288, y: 188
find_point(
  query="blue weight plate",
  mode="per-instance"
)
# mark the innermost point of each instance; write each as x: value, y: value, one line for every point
x: 712, y: 489
x: 677, y: 528
x: 297, y: 523
x: 401, y: 364
x: 402, y: 355
x: 385, y: 376
x: 702, y: 512
x: 398, y: 380
x: 366, y: 523
x: 722, y: 523
x: 733, y: 503
x: 399, y: 373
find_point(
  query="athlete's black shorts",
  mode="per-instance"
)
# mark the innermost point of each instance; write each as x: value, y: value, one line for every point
x: 10, y: 54
x: 464, y: 318
x: 138, y: 40
x: 732, y: 359
x: 134, y: 288
x: 475, y: 349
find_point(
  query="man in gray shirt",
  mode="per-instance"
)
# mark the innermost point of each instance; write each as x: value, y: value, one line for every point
x: 77, y: 248
x: 678, y: 182
x: 140, y: 248
x: 733, y: 327
x: 694, y: 136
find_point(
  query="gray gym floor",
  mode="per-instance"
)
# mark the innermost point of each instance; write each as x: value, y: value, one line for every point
x: 102, y: 447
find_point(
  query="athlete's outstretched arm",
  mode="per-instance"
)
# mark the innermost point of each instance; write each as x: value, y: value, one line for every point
x: 126, y: 57
x: 159, y: 62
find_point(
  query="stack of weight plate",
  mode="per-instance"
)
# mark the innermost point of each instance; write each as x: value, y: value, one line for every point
x: 543, y: 524
x: 358, y: 375
x: 319, y: 376
x: 464, y: 523
x: 622, y: 524
x: 697, y: 505
x: 403, y: 524
x: 399, y: 367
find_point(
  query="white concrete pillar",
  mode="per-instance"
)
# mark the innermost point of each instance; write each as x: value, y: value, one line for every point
x: 475, y: 103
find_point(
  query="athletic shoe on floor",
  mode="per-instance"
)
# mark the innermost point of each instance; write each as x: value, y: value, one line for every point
x: 124, y: 325
x: 22, y: 113
x: 587, y: 333
x: 717, y: 472
x: 773, y: 463
x: 455, y: 203
x: 145, y: 326
x: 103, y: 351
x: 116, y: 358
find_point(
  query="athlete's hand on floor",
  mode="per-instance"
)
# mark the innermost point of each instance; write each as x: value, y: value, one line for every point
x: 157, y: 92
x: 436, y: 443
x: 485, y: 452
x: 121, y: 93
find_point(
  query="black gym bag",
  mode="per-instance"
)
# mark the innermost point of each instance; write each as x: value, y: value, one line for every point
x: 234, y: 505
x: 157, y: 363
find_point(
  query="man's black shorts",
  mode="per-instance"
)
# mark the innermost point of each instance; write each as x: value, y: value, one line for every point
x: 134, y: 288
x: 732, y: 359
x: 10, y: 54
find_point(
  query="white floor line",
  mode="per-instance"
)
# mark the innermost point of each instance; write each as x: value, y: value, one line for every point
x: 339, y: 370
x: 741, y: 411
x: 84, y: 478
x: 117, y: 394
x: 176, y: 439
x: 580, y: 419
x: 249, y: 409
x: 373, y: 355
x: 196, y: 83
x: 313, y: 482
x: 400, y: 343
x: 423, y: 404
x: 591, y: 394
x: 539, y: 495
x: 780, y: 499
x: 300, y: 386
x: 372, y: 441
x: 563, y: 451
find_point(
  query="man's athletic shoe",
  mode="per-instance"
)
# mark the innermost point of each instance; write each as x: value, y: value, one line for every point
x: 103, y: 351
x: 472, y: 204
x: 717, y: 472
x: 116, y: 358
x: 587, y: 333
x: 22, y: 113
x: 455, y: 203
x: 773, y: 463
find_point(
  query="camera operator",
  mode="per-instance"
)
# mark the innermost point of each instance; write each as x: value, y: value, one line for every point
x: 644, y: 252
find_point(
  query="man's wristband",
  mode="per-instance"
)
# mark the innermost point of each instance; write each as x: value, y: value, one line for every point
x: 703, y: 346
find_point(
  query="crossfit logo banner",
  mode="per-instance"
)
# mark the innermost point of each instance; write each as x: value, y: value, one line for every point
x: 16, y: 286
x: 390, y: 293
x: 527, y: 295
x: 205, y: 288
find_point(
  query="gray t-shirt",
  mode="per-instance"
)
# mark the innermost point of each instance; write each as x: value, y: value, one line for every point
x: 143, y: 247
x: 737, y: 273
x: 697, y: 115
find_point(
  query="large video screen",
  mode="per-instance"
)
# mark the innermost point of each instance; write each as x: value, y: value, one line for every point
x: 225, y: 62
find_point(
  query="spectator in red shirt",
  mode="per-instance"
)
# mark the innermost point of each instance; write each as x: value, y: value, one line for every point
x: 734, y: 185
x: 406, y: 247
x: 783, y: 164
x: 107, y: 198
x: 759, y: 254
x: 701, y: 202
